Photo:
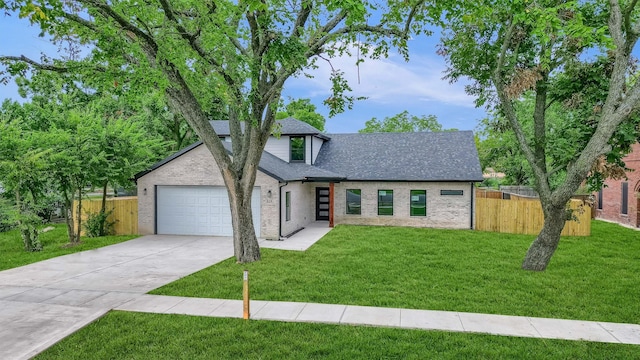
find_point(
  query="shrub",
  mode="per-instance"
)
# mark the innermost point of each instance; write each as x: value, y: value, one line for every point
x: 98, y: 224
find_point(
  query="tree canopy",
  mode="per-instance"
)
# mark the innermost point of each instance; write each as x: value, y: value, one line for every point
x: 575, y: 55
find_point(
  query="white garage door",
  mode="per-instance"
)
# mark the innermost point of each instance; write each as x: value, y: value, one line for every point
x: 198, y: 210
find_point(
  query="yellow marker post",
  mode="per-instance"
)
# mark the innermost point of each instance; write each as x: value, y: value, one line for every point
x: 245, y: 294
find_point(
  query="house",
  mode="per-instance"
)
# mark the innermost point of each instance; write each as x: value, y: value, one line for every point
x: 619, y: 200
x: 405, y: 179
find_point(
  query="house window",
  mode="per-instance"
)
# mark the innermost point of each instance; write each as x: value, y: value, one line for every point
x: 385, y: 202
x: 451, y: 192
x: 297, y: 148
x: 353, y: 201
x: 600, y: 199
x: 418, y: 203
x: 287, y: 204
x: 625, y: 199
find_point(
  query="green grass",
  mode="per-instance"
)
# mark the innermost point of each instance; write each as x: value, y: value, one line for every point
x: 121, y: 335
x: 13, y: 254
x: 589, y: 278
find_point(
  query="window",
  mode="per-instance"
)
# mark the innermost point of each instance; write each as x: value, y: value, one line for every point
x: 418, y: 203
x: 600, y: 199
x: 385, y: 202
x: 625, y: 199
x: 287, y: 204
x: 451, y: 192
x: 353, y: 201
x: 297, y: 148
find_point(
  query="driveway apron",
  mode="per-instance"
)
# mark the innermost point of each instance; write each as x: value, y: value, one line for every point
x: 41, y: 303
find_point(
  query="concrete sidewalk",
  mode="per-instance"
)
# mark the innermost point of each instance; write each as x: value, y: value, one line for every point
x: 389, y: 317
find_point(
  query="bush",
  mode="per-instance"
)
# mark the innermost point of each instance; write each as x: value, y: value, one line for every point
x: 98, y: 224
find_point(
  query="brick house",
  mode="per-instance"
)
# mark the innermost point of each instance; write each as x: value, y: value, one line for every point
x: 619, y: 200
x: 406, y: 179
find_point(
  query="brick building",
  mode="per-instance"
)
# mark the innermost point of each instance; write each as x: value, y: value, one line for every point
x: 619, y: 200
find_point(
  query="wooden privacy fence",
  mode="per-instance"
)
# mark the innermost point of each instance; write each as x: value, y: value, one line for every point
x: 526, y: 217
x: 124, y: 215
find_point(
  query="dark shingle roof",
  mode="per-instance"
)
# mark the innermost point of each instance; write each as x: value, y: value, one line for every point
x: 420, y: 156
x: 284, y: 171
x: 289, y: 126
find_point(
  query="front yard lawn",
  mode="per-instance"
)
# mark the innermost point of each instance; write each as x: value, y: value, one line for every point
x: 122, y: 335
x: 589, y: 278
x: 13, y: 254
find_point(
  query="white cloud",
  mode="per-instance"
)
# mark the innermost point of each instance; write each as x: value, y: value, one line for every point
x: 389, y: 81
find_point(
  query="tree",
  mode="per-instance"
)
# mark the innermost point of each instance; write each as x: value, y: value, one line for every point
x: 551, y: 50
x: 242, y: 52
x: 21, y: 166
x: 303, y: 110
x: 402, y: 122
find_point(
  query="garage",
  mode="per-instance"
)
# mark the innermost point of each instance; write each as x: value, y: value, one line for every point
x: 198, y: 210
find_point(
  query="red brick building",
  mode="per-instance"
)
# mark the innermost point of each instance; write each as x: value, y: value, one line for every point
x: 619, y: 200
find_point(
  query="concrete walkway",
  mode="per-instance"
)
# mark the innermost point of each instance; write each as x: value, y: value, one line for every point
x: 44, y: 302
x: 390, y: 317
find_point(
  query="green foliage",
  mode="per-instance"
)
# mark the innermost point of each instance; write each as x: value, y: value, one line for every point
x: 303, y: 110
x: 7, y: 215
x: 403, y: 122
x: 87, y: 140
x: 98, y: 224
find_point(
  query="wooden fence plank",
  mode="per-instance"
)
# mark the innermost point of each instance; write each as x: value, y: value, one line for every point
x: 124, y: 215
x: 524, y: 216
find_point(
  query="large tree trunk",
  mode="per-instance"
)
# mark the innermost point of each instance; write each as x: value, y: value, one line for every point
x: 543, y: 247
x: 245, y: 242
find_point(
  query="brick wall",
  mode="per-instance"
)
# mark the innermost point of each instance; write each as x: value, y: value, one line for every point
x: 302, y: 206
x: 612, y: 194
x: 443, y: 211
x: 197, y: 167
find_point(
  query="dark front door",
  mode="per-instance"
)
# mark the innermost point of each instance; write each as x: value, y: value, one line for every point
x: 322, y: 203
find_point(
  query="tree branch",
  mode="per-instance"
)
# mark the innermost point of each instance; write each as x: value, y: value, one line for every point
x: 35, y: 64
x: 629, y: 28
x: 510, y: 114
x: 108, y: 12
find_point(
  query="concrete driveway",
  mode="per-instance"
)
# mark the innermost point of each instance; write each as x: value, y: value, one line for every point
x: 43, y: 302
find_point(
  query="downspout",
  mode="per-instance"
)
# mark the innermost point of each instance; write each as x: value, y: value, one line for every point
x: 473, y: 194
x: 280, y: 208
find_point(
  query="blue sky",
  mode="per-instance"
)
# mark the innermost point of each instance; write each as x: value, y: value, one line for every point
x: 391, y: 85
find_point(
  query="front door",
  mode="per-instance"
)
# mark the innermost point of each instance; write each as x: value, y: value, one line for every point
x: 322, y: 203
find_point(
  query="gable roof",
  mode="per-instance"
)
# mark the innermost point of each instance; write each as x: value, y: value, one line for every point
x: 288, y: 126
x: 269, y: 164
x: 418, y: 156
